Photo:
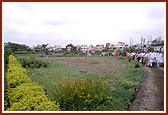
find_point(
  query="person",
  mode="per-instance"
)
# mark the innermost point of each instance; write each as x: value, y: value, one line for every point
x: 146, y: 58
x: 138, y: 57
x: 151, y: 59
x: 142, y: 57
x: 127, y: 54
x: 47, y: 55
x: 159, y: 58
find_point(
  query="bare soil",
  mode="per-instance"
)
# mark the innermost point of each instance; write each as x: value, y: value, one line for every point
x: 97, y: 65
x: 150, y: 96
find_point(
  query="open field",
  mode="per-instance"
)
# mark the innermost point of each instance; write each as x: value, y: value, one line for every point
x: 100, y: 66
x: 121, y: 73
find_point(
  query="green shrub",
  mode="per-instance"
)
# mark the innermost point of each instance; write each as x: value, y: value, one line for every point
x: 129, y: 59
x: 23, y: 94
x: 30, y: 97
x: 137, y: 65
x: 81, y: 95
x: 16, y: 75
x: 32, y: 62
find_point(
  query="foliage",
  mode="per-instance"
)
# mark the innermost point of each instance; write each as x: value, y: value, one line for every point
x: 16, y: 75
x: 30, y: 97
x: 81, y: 95
x: 129, y: 59
x: 137, y: 65
x: 122, y: 83
x: 16, y: 48
x: 32, y: 62
x: 150, y: 48
x: 23, y: 94
x: 6, y: 55
x: 130, y: 49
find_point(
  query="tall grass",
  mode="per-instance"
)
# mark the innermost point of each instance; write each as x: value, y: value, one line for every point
x: 81, y: 95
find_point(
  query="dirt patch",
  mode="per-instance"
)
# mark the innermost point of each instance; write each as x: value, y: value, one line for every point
x: 150, y: 96
x: 97, y: 65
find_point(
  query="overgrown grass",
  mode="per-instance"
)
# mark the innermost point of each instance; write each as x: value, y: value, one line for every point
x: 55, y: 74
x: 123, y: 84
x: 81, y: 95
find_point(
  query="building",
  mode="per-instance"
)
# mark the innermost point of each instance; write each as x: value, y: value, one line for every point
x: 120, y: 46
x: 83, y: 48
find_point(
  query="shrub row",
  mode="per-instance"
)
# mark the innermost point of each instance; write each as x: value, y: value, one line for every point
x: 23, y: 93
x: 32, y: 62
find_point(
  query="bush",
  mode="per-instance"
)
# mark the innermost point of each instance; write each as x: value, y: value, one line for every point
x: 81, y: 95
x: 23, y: 94
x: 129, y: 59
x: 137, y: 65
x: 30, y: 97
x: 32, y: 62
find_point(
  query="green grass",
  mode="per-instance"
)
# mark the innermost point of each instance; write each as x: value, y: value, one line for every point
x: 55, y: 74
x: 123, y: 82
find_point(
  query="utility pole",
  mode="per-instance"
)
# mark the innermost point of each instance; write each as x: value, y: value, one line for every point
x: 141, y: 43
x: 130, y: 41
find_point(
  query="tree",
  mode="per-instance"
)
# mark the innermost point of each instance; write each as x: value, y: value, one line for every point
x: 44, y: 47
x: 15, y: 48
x: 71, y: 47
x: 150, y: 48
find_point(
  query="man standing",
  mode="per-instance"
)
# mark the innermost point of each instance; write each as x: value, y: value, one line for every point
x: 159, y: 58
x: 46, y: 55
x: 151, y: 59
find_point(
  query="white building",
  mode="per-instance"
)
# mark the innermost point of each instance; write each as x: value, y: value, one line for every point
x: 120, y: 45
x: 83, y: 48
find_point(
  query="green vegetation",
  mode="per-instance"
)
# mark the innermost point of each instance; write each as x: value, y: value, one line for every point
x: 150, y: 49
x: 121, y: 88
x: 23, y: 94
x: 16, y: 48
x: 81, y: 95
x: 32, y: 62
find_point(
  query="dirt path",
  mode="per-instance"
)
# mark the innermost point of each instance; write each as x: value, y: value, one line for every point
x: 150, y: 96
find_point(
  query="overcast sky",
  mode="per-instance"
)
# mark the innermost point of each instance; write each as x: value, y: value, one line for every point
x: 81, y: 23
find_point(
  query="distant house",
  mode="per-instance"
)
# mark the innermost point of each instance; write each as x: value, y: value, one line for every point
x: 38, y: 48
x: 120, y: 45
x: 83, y: 48
x: 49, y: 48
x: 109, y: 46
x: 100, y: 47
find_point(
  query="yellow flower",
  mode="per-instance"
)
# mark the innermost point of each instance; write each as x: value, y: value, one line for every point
x: 88, y: 101
x: 88, y: 95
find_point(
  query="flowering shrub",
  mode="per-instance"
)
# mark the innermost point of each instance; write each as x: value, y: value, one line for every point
x: 16, y: 75
x: 81, y: 95
x: 23, y: 94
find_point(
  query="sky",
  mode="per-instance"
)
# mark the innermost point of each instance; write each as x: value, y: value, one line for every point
x: 82, y: 23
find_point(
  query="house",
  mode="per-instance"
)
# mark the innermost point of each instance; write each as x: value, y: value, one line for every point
x: 83, y: 48
x: 38, y: 47
x: 100, y: 47
x: 120, y: 46
x: 109, y: 46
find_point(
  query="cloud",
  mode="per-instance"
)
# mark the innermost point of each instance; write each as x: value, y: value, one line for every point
x: 81, y: 23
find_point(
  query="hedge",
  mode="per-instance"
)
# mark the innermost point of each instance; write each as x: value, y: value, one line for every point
x: 23, y: 93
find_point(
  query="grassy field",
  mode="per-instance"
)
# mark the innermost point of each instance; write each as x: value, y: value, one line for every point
x: 119, y: 72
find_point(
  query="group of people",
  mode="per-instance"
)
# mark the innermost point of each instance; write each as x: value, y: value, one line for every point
x: 150, y: 59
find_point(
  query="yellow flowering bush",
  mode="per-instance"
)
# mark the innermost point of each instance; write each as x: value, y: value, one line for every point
x: 23, y: 94
x: 81, y: 95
